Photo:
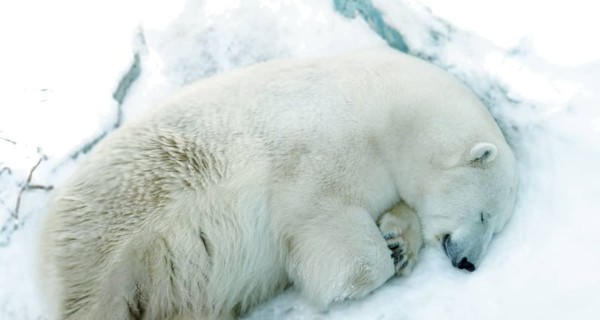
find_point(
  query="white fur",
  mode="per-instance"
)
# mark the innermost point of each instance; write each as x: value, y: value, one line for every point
x: 244, y: 183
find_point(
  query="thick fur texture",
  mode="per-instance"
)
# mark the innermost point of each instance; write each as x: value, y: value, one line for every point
x: 245, y: 183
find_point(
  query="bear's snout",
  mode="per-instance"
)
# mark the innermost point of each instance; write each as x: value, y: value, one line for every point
x: 451, y: 251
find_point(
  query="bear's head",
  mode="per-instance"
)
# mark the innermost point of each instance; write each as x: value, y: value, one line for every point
x: 468, y: 199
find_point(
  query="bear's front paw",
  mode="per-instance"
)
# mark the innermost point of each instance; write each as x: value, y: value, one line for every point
x: 399, y: 252
x: 404, y: 260
x: 401, y: 230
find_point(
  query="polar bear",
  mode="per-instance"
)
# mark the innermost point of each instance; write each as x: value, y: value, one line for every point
x: 327, y: 174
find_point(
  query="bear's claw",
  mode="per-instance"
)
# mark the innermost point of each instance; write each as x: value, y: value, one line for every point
x: 398, y: 247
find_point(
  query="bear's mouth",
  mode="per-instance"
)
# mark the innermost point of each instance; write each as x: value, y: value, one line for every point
x: 446, y: 243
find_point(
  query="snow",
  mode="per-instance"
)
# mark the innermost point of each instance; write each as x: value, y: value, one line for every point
x: 535, y: 64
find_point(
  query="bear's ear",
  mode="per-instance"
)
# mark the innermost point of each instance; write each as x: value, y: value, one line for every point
x: 483, y: 152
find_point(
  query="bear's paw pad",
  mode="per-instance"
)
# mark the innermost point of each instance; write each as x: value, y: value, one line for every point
x: 404, y: 260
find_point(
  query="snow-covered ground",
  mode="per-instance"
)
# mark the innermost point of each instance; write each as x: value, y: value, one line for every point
x: 71, y: 71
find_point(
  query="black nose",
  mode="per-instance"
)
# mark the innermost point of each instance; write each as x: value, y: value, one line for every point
x: 465, y: 264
